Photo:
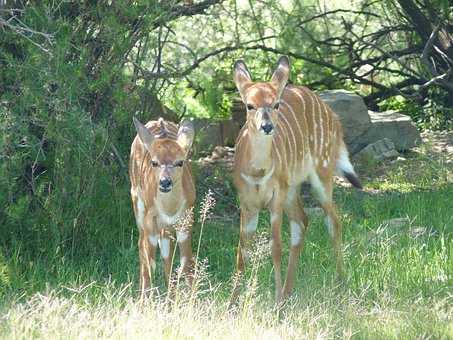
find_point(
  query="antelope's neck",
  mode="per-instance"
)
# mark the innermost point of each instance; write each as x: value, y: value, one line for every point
x: 260, y: 155
x: 173, y: 202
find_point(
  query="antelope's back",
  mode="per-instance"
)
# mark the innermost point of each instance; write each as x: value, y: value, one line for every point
x: 308, y: 132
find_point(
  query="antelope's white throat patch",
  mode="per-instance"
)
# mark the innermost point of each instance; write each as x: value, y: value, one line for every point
x: 252, y: 180
x: 167, y: 219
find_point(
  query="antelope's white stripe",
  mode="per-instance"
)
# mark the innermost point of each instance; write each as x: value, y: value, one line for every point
x: 278, y: 143
x: 298, y: 129
x: 292, y: 151
x: 313, y: 137
x: 321, y: 125
x: 304, y: 136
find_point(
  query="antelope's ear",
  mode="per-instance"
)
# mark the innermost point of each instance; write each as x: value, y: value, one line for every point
x: 186, y: 134
x: 241, y: 76
x: 145, y: 136
x: 281, y: 75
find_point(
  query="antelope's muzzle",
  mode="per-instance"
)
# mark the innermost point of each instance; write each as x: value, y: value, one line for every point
x: 165, y: 184
x: 266, y: 123
x: 267, y: 127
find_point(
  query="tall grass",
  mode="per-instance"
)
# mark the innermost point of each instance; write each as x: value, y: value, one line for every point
x: 399, y: 275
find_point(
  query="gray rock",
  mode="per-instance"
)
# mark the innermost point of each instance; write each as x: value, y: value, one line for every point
x: 377, y: 151
x: 207, y: 133
x: 352, y: 111
x: 211, y: 133
x: 395, y: 126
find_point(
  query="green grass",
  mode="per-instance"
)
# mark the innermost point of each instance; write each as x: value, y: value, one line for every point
x: 399, y: 276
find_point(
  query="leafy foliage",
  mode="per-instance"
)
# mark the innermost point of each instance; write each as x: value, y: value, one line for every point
x: 74, y: 73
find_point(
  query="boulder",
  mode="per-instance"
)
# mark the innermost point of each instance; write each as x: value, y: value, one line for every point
x: 352, y: 111
x: 392, y: 125
x: 377, y: 151
x: 222, y: 156
x: 207, y: 133
x: 212, y: 133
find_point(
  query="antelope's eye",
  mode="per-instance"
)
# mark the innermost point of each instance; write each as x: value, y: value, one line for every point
x: 179, y: 163
x: 154, y: 164
x: 276, y: 105
x: 250, y: 107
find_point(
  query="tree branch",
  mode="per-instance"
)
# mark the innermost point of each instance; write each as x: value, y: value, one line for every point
x: 185, y: 10
x: 334, y: 12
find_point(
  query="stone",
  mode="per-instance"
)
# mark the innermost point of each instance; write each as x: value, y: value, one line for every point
x: 222, y: 156
x: 417, y: 232
x: 352, y: 111
x: 378, y: 151
x: 211, y: 133
x: 392, y: 125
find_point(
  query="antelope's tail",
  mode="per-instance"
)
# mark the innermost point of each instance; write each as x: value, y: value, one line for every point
x: 345, y: 168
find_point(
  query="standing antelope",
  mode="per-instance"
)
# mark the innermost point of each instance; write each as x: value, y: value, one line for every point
x: 162, y: 191
x: 289, y: 136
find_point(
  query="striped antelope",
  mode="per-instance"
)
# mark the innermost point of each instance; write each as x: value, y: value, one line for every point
x: 290, y: 136
x: 162, y: 191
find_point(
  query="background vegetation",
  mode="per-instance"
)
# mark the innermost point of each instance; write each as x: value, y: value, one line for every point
x: 72, y: 75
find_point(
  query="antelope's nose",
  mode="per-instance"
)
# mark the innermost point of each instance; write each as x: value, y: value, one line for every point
x: 267, y: 127
x: 165, y: 184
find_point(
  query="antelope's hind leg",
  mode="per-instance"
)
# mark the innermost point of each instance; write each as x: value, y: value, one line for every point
x: 323, y: 188
x: 298, y: 222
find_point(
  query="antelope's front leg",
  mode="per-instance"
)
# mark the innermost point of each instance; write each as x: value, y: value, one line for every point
x: 147, y: 245
x: 249, y: 222
x: 276, y: 224
x: 166, y: 251
x: 276, y: 212
x: 184, y: 239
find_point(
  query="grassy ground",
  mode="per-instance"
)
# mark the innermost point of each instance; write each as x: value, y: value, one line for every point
x: 399, y: 273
